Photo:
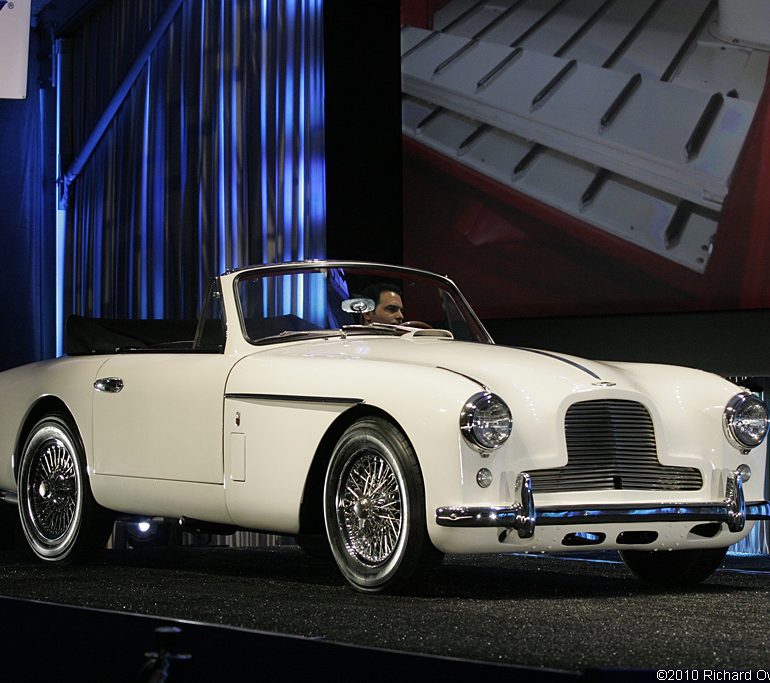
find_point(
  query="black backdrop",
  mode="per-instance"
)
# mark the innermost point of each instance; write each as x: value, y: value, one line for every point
x: 363, y: 130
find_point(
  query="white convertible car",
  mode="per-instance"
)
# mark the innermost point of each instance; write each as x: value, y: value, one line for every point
x: 289, y: 408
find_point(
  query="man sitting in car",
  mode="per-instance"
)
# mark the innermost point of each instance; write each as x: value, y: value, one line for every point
x: 389, y: 307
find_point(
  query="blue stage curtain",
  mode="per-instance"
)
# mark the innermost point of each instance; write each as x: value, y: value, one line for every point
x: 213, y: 160
x: 27, y: 232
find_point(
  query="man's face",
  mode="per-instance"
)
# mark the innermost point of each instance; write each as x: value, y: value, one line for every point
x: 389, y: 310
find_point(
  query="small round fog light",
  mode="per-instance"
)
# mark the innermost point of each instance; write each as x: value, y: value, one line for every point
x: 483, y: 477
x: 745, y: 472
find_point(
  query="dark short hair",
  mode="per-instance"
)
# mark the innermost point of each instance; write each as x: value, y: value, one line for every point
x: 375, y: 290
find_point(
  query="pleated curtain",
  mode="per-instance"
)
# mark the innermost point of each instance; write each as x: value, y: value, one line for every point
x: 213, y: 160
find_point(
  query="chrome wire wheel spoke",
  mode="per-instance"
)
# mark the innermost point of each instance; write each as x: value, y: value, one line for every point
x: 59, y: 516
x: 369, y: 508
x: 374, y: 507
x: 52, y: 490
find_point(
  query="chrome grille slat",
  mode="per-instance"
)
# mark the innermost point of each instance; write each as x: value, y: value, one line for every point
x: 611, y: 445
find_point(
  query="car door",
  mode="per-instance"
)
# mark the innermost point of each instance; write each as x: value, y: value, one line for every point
x: 158, y: 413
x: 166, y: 420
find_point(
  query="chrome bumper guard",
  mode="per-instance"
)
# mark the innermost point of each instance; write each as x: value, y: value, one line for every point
x: 523, y: 517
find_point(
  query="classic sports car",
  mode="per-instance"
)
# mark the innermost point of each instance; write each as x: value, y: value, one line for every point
x: 287, y: 407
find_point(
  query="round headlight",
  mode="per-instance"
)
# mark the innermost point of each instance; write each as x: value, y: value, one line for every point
x: 485, y: 421
x: 745, y: 421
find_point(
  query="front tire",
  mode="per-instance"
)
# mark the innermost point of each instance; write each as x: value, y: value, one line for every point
x: 59, y: 516
x: 675, y: 568
x: 374, y: 508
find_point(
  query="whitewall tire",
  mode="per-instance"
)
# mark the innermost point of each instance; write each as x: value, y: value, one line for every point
x: 59, y: 517
x: 374, y: 508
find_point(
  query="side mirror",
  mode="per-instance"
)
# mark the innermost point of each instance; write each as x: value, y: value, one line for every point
x: 358, y: 305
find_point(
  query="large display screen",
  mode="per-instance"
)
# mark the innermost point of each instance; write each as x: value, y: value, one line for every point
x: 587, y: 156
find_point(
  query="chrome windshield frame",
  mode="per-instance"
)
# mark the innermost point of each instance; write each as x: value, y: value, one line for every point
x: 273, y: 269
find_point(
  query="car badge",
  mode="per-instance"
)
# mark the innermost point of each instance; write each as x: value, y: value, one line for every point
x: 603, y: 384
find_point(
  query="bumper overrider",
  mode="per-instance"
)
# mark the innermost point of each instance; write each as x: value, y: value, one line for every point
x: 522, y: 516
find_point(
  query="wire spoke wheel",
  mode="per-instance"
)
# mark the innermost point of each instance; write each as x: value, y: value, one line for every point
x: 369, y: 506
x: 52, y: 490
x: 59, y: 516
x: 374, y: 508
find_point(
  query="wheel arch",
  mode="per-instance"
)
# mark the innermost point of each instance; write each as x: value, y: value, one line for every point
x: 311, y: 516
x: 45, y: 405
x: 80, y: 525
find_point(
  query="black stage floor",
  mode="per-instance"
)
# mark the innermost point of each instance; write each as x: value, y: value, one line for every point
x: 541, y: 615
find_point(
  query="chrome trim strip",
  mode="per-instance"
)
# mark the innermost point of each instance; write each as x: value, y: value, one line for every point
x: 468, y: 377
x: 523, y: 516
x: 563, y: 360
x: 760, y: 510
x: 296, y: 399
x: 338, y: 263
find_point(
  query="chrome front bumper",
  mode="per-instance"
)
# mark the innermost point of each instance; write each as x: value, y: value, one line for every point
x: 524, y: 517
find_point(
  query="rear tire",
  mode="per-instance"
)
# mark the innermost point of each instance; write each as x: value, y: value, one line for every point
x: 59, y: 516
x: 675, y: 568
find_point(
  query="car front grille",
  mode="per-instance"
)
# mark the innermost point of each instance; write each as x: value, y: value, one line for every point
x: 611, y: 445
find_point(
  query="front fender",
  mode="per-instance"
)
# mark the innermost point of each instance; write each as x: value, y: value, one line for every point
x: 270, y: 399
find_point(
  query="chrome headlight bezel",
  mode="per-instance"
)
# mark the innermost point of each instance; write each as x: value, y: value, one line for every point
x: 483, y: 431
x: 734, y: 421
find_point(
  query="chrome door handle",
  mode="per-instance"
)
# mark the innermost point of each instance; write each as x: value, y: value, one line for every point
x: 110, y: 384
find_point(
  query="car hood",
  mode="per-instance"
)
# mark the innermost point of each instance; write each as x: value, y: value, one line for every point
x: 495, y: 367
x: 423, y: 381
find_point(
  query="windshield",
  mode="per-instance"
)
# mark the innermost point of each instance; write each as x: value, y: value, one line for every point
x: 297, y: 302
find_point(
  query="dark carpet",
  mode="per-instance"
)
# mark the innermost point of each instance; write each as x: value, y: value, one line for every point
x: 540, y: 612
